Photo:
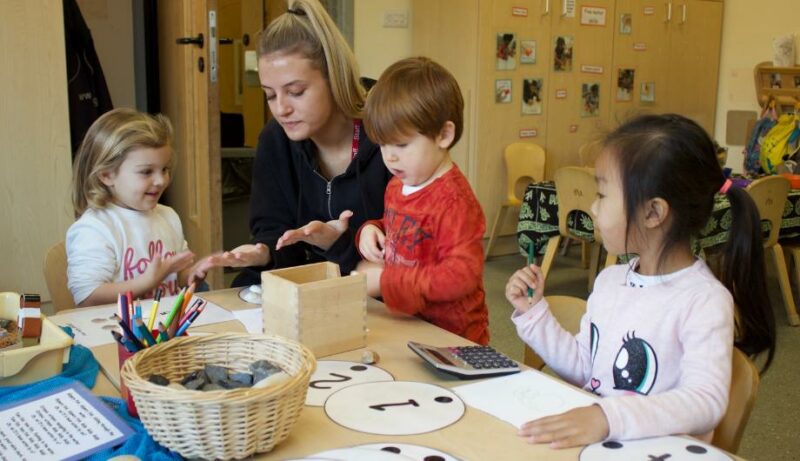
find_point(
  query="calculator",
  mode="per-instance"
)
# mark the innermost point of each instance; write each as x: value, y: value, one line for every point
x: 466, y: 362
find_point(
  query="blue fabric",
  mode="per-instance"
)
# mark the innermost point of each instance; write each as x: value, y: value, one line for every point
x: 83, y: 367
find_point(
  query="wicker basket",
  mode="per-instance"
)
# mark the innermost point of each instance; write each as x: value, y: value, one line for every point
x: 219, y: 424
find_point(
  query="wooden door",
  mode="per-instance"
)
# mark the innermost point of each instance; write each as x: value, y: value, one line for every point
x: 573, y: 114
x: 695, y: 40
x: 190, y: 99
x: 642, y: 44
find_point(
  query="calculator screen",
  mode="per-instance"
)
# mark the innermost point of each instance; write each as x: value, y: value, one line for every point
x: 439, y: 356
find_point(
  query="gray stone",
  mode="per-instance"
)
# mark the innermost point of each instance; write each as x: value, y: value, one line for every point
x: 216, y: 373
x: 263, y: 369
x: 244, y: 378
x: 158, y: 379
x: 231, y: 384
x: 195, y: 384
x: 197, y: 374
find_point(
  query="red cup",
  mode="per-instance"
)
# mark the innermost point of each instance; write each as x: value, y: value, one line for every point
x: 124, y: 355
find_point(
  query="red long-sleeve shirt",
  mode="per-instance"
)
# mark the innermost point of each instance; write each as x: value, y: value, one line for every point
x: 433, y: 256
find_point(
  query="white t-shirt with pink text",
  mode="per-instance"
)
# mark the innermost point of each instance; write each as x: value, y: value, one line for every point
x: 115, y: 244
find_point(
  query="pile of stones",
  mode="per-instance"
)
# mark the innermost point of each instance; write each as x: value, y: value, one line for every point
x: 214, y: 378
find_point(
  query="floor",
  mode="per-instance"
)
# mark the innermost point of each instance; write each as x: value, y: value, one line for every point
x: 772, y: 432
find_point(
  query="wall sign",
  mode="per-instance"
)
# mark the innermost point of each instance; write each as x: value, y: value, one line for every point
x: 639, y: 46
x: 519, y: 11
x: 591, y: 69
x: 561, y: 93
x: 528, y: 133
x: 593, y: 16
x: 649, y: 10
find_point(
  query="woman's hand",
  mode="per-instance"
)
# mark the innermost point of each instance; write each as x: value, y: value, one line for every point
x: 371, y: 243
x: 317, y: 233
x: 518, y: 286
x: 373, y: 272
x: 576, y: 427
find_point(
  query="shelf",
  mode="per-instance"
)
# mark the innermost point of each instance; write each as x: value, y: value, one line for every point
x: 781, y: 84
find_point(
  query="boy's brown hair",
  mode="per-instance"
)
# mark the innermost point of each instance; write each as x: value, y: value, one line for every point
x: 413, y: 95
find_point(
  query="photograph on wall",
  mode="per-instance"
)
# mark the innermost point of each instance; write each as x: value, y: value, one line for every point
x: 625, y: 85
x: 647, y: 92
x: 590, y: 100
x: 506, y: 51
x: 775, y: 81
x: 532, y: 96
x: 797, y: 81
x: 625, y: 21
x: 502, y: 91
x: 527, y: 51
x: 562, y: 54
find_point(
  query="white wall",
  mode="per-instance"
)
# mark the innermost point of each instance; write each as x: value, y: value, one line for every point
x: 111, y: 25
x: 375, y: 46
x: 747, y: 30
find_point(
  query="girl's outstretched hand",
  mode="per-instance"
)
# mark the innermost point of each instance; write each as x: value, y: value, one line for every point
x: 371, y: 242
x: 242, y: 256
x: 576, y: 427
x: 161, y: 266
x: 317, y: 233
x: 525, y: 288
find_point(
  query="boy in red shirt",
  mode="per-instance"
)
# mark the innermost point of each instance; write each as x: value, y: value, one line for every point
x: 425, y: 256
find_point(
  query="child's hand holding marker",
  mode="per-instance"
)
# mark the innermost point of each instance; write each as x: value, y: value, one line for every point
x: 525, y: 288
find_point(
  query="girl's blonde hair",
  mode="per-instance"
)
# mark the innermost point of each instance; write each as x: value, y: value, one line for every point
x: 105, y: 147
x: 307, y: 29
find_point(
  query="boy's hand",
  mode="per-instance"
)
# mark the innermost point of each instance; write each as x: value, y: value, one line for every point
x: 317, y: 233
x: 161, y: 266
x: 371, y: 243
x: 518, y: 285
x: 576, y: 427
x: 242, y: 256
x: 373, y: 272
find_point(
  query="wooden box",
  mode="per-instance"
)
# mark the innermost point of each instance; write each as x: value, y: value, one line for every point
x: 317, y: 307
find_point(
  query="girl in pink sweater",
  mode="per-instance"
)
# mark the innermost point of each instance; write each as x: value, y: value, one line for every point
x: 657, y: 337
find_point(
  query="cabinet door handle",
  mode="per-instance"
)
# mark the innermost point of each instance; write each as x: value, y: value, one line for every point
x: 546, y: 7
x: 684, y: 7
x: 669, y: 12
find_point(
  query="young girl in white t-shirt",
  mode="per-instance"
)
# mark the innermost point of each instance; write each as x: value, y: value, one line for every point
x: 123, y: 239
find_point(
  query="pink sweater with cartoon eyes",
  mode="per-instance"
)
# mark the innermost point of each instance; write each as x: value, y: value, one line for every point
x: 660, y: 355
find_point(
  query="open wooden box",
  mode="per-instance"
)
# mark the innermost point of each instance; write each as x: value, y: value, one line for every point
x: 316, y: 306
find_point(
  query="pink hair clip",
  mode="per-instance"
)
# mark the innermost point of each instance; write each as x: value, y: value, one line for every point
x: 725, y: 186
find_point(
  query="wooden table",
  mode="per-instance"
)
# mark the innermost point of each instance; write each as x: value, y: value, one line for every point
x: 477, y: 436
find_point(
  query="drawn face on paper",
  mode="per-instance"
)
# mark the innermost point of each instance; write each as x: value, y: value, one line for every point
x: 415, y: 452
x: 394, y: 407
x: 332, y: 375
x: 388, y: 451
x: 656, y: 449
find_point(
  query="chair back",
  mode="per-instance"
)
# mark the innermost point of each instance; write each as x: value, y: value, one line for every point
x: 744, y: 387
x: 770, y: 194
x: 576, y: 190
x: 589, y: 151
x: 55, y: 275
x: 568, y: 310
x: 524, y: 165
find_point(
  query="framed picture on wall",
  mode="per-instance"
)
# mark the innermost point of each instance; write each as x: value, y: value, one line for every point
x: 625, y: 84
x: 532, y: 92
x: 590, y: 100
x: 625, y: 24
x: 502, y: 91
x: 527, y: 53
x: 506, y: 51
x: 562, y: 53
x: 647, y: 92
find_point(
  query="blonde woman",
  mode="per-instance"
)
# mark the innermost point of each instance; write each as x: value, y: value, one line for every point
x: 123, y: 239
x: 316, y: 175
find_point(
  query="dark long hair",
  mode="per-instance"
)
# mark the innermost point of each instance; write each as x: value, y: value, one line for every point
x: 672, y: 157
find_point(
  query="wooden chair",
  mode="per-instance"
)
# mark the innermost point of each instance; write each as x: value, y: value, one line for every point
x: 576, y: 190
x: 55, y: 275
x: 744, y: 387
x: 770, y: 194
x: 568, y: 310
x: 524, y: 165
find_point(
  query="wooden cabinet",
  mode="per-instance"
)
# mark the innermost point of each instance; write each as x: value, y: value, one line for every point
x: 673, y: 46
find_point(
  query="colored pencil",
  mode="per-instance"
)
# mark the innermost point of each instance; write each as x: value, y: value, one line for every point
x: 162, y: 333
x: 127, y: 329
x: 189, y: 311
x: 144, y: 333
x: 531, y: 251
x: 174, y: 312
x: 187, y: 298
x: 122, y: 306
x: 123, y: 342
x: 151, y: 322
x: 191, y: 319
